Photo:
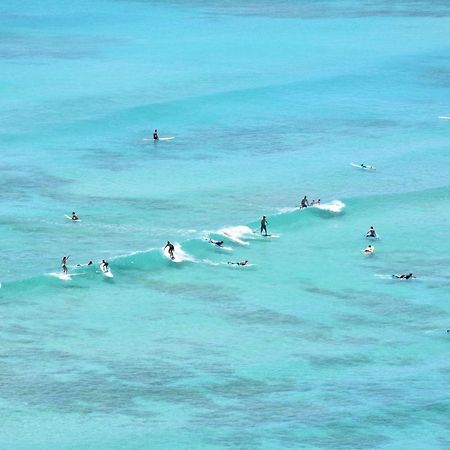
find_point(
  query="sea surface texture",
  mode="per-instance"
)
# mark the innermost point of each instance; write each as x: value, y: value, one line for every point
x: 313, y: 345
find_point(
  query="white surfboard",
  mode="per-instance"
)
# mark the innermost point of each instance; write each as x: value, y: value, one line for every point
x: 444, y: 117
x: 159, y: 139
x: 106, y: 272
x: 365, y: 167
x: 267, y: 236
x: 70, y: 218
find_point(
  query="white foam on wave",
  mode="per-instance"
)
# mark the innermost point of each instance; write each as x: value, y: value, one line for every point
x: 287, y: 209
x: 236, y: 233
x: 179, y: 254
x: 61, y: 276
x: 336, y: 206
x: 137, y: 252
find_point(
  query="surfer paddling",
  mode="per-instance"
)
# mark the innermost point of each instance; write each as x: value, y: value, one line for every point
x: 216, y: 243
x: 404, y: 276
x: 170, y: 250
x: 264, y: 224
x: 240, y: 263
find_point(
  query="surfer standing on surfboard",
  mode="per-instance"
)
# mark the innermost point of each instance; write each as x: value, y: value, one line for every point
x: 304, y: 203
x: 104, y: 265
x: 64, y: 264
x: 155, y: 135
x: 264, y: 224
x: 171, y: 248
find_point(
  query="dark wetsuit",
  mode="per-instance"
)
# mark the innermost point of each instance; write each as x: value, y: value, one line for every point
x: 155, y: 136
x: 64, y: 264
x: 264, y: 226
x: 171, y: 248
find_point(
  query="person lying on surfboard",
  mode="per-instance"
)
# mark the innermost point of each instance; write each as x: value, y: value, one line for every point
x: 371, y: 232
x: 64, y: 264
x: 88, y: 264
x: 74, y: 216
x: 240, y: 263
x: 404, y: 276
x: 264, y: 224
x: 171, y: 248
x: 218, y: 243
x: 155, y: 135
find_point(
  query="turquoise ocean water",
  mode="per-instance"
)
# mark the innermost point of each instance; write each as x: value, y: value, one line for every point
x: 314, y: 345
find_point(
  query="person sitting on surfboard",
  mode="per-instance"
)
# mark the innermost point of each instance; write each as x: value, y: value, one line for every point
x: 371, y: 232
x: 155, y: 135
x: 104, y: 265
x: 64, y: 264
x: 171, y: 248
x: 369, y: 249
x: 240, y: 263
x: 218, y: 243
x: 304, y: 203
x: 264, y: 224
x: 74, y: 216
x: 404, y: 276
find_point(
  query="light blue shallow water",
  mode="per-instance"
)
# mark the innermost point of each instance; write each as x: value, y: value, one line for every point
x: 315, y: 345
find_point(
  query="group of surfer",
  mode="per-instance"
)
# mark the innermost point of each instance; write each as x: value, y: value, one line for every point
x: 370, y: 249
x: 171, y: 248
x: 104, y: 265
x: 304, y: 203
